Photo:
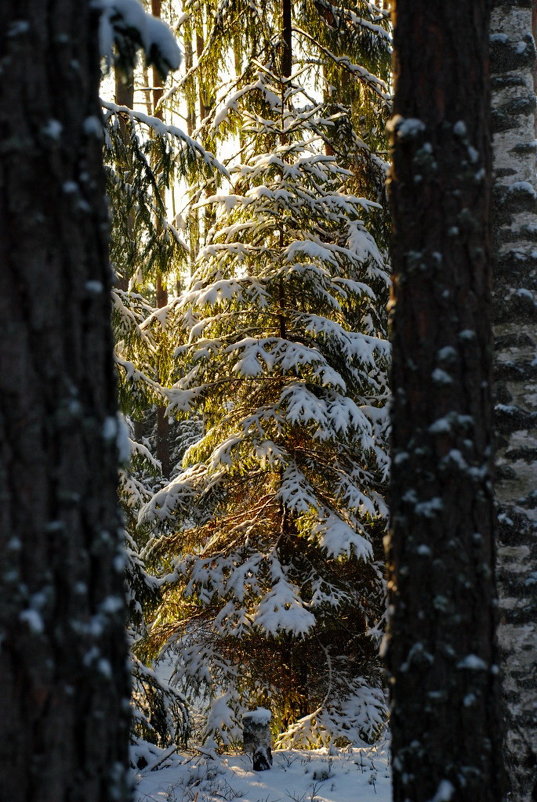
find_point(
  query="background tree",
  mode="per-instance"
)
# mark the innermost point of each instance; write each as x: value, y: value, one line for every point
x: 63, y: 701
x: 286, y: 280
x: 144, y: 157
x: 247, y: 112
x: 441, y: 650
x: 513, y: 58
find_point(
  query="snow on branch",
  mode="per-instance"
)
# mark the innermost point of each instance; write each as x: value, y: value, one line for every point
x: 338, y: 538
x: 341, y: 13
x: 282, y: 610
x: 161, y: 129
x: 125, y: 24
x: 177, y: 494
x: 373, y: 82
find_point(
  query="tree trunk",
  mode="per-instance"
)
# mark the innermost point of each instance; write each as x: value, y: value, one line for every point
x: 124, y: 96
x: 162, y: 423
x: 64, y: 689
x: 441, y: 646
x: 123, y: 93
x: 163, y: 449
x: 205, y: 103
x: 287, y: 39
x: 515, y: 327
x: 191, y: 121
x: 158, y: 84
x: 189, y: 63
x: 204, y: 106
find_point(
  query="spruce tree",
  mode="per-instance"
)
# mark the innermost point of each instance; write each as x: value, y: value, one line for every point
x: 272, y: 588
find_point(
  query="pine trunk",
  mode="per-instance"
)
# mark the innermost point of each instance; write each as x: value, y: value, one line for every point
x: 441, y: 645
x: 163, y: 451
x: 513, y: 62
x: 287, y: 38
x: 162, y: 423
x: 189, y: 63
x: 64, y: 688
x: 204, y: 108
x: 124, y: 96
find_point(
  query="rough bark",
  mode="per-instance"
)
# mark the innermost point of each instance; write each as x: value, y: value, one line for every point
x: 64, y: 688
x: 513, y: 62
x: 441, y: 646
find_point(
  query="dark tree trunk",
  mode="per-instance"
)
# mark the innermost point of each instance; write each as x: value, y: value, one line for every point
x: 64, y: 681
x: 441, y: 646
x: 158, y: 84
x: 287, y: 38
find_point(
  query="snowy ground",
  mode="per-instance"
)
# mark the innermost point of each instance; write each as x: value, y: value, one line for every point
x: 296, y: 776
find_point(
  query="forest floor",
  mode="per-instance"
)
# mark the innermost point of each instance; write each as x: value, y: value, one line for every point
x: 296, y: 776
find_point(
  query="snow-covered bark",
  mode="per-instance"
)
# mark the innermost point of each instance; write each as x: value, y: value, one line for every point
x: 515, y: 318
x: 441, y: 647
x: 64, y: 682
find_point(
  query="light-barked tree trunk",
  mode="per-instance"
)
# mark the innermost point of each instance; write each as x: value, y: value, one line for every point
x: 513, y: 61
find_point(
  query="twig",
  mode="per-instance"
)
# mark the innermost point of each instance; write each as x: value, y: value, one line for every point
x: 164, y: 757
